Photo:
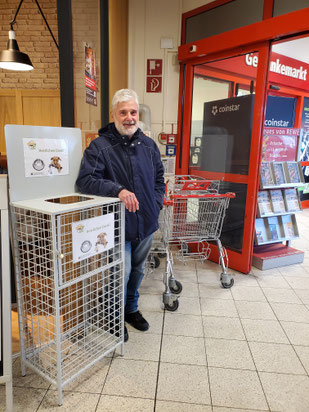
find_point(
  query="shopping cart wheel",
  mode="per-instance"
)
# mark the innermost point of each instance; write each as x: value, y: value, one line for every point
x: 173, y: 306
x: 162, y: 255
x: 175, y: 286
x: 228, y: 285
x: 156, y: 262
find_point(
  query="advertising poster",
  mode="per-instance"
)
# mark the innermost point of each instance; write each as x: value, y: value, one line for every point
x: 92, y: 236
x: 279, y: 144
x: 45, y: 157
x: 90, y: 76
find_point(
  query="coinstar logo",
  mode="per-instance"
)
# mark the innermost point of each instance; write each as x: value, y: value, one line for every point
x: 226, y: 108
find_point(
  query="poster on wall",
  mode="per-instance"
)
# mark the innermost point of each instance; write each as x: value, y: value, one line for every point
x: 45, y: 157
x: 92, y: 236
x: 90, y: 76
x: 279, y: 144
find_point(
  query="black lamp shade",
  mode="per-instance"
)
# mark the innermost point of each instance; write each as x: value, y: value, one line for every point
x: 13, y: 59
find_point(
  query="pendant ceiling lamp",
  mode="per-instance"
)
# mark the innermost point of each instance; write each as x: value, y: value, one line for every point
x: 12, y: 58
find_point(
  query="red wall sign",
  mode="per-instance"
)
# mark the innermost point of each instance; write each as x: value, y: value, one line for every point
x: 154, y: 84
x: 154, y: 67
x: 282, y: 69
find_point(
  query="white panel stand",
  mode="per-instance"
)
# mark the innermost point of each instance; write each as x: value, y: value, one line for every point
x: 5, y: 299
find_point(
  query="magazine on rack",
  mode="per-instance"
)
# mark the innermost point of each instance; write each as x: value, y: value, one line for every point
x: 277, y: 201
x: 274, y: 228
x: 288, y: 226
x: 264, y: 204
x: 293, y: 172
x: 260, y: 231
x: 279, y: 174
x: 266, y: 175
x: 291, y: 199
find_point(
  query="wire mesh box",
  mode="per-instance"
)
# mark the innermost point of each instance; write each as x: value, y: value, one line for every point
x: 69, y: 254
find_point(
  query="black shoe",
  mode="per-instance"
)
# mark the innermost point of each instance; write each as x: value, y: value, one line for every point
x: 126, y: 335
x: 137, y: 321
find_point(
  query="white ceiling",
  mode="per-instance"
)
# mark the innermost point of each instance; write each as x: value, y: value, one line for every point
x: 296, y: 49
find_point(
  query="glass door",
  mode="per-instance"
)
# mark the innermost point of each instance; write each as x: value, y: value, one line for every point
x: 224, y: 139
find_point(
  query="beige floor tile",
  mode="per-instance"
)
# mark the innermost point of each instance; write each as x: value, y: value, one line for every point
x: 131, y: 378
x: 298, y: 282
x: 294, y: 270
x: 261, y: 273
x: 226, y: 353
x: 281, y: 295
x: 220, y: 327
x: 125, y: 404
x: 142, y: 346
x: 151, y: 286
x: 236, y: 389
x: 189, y: 306
x: 209, y: 277
x: 264, y: 331
x: 251, y: 294
x: 185, y: 274
x: 291, y: 312
x: 24, y: 399
x: 274, y: 357
x: 240, y: 279
x: 275, y: 281
x: 218, y: 307
x: 183, y: 383
x: 91, y: 380
x: 30, y: 380
x: 214, y: 292
x: 303, y: 354
x: 255, y: 310
x: 155, y: 320
x: 303, y: 295
x: 297, y: 332
x: 183, y: 349
x: 150, y: 303
x: 286, y: 393
x: 165, y: 406
x: 219, y: 409
x: 183, y: 325
x: 71, y: 401
x: 190, y: 290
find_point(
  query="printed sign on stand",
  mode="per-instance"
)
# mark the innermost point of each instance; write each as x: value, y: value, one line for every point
x: 279, y: 144
x: 45, y: 157
x: 92, y: 236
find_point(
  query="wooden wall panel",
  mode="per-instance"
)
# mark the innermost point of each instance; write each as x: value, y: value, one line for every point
x: 29, y: 107
x: 7, y: 114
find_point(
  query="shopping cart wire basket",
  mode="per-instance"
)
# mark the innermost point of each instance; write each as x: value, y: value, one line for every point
x: 192, y: 215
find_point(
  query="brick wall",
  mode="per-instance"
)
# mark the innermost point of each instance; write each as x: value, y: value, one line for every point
x: 33, y: 38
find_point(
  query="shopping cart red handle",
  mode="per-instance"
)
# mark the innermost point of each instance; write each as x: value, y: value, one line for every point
x: 196, y: 185
x: 170, y: 202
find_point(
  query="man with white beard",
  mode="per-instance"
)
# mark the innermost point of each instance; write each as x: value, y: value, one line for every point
x: 123, y: 162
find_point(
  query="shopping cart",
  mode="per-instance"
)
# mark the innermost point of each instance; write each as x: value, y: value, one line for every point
x: 192, y: 216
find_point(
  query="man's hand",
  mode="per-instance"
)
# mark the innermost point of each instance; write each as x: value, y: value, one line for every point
x: 129, y: 200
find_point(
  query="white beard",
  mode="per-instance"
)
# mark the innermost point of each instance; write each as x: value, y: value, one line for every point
x: 125, y: 131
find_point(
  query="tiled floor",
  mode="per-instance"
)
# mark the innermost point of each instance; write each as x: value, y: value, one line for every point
x: 239, y: 349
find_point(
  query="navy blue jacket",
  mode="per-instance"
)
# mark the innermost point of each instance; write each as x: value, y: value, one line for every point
x: 113, y: 162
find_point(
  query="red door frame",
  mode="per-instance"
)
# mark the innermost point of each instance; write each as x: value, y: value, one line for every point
x: 255, y: 37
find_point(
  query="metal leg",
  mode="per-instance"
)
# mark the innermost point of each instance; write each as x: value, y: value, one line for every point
x: 226, y: 280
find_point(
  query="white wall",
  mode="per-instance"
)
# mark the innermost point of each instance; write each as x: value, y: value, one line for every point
x: 149, y: 21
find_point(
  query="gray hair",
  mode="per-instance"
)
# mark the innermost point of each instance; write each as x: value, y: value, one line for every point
x: 124, y: 95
